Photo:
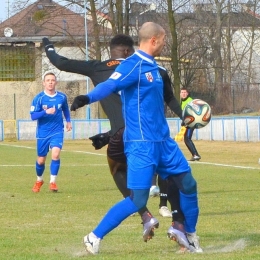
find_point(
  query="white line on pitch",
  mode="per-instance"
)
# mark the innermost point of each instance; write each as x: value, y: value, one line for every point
x: 29, y: 147
x: 227, y: 165
x: 208, y: 163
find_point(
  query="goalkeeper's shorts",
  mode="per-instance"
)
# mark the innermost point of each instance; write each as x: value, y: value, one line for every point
x: 115, y: 150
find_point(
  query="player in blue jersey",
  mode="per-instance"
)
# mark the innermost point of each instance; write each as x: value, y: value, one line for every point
x: 147, y: 143
x: 48, y: 108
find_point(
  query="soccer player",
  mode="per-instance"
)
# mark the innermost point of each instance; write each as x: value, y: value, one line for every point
x: 147, y: 143
x: 185, y: 99
x: 47, y: 108
x: 121, y: 46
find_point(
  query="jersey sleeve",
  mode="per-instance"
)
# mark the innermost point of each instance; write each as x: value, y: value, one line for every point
x: 168, y: 95
x: 123, y: 77
x: 65, y: 109
x: 69, y: 65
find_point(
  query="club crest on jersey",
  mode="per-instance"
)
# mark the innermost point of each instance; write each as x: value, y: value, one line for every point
x: 44, y: 107
x: 149, y: 76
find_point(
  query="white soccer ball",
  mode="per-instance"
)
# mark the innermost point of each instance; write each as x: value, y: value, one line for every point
x: 196, y: 114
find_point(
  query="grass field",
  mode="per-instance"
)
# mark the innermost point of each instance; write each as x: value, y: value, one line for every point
x: 51, y: 225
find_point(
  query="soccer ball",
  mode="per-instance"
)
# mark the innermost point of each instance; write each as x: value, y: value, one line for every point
x: 196, y: 114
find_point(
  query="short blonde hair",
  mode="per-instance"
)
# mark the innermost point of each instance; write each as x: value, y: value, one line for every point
x: 48, y: 73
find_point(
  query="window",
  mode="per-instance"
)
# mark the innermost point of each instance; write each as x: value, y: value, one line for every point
x: 17, y: 63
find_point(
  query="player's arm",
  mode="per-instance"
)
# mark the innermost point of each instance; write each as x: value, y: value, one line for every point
x: 168, y: 95
x: 101, y: 91
x: 122, y: 78
x: 100, y: 140
x: 65, y: 109
x: 38, y: 114
x: 66, y: 113
x: 64, y: 64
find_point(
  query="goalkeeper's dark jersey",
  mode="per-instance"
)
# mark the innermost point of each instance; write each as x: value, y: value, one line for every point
x: 99, y: 71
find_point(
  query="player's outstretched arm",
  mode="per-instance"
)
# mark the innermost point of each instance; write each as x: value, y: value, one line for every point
x: 101, y: 91
x: 79, y: 101
x: 86, y: 68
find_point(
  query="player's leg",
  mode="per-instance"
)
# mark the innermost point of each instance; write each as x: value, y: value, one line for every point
x: 176, y: 232
x: 139, y: 180
x: 187, y: 188
x: 163, y: 209
x: 42, y: 147
x: 117, y: 164
x: 56, y: 144
x: 190, y: 145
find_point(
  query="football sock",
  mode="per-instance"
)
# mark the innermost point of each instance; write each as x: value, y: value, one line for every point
x: 163, y: 191
x: 39, y: 178
x: 54, y: 167
x: 174, y: 200
x: 53, y: 178
x: 115, y: 216
x: 39, y: 170
x: 189, y: 206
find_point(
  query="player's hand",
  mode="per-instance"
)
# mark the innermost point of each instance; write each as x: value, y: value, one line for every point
x: 183, y: 123
x: 99, y: 140
x: 48, y: 46
x: 50, y: 111
x: 79, y: 101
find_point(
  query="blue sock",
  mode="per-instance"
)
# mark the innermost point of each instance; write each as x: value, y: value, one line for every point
x: 39, y: 169
x: 54, y: 167
x: 115, y: 216
x: 190, y: 209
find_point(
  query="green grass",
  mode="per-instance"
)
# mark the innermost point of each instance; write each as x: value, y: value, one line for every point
x: 51, y: 225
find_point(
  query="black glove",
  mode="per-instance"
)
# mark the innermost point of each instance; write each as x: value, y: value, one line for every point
x: 79, y: 101
x: 47, y: 44
x: 99, y: 140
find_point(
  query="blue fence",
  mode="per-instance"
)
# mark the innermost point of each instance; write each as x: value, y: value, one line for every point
x: 1, y: 130
x: 219, y: 129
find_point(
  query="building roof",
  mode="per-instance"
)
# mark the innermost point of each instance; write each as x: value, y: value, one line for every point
x: 47, y: 18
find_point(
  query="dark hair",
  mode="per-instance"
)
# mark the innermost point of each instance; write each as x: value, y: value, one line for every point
x: 185, y: 89
x: 121, y: 40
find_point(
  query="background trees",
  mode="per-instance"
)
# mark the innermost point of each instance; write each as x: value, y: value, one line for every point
x: 213, y: 46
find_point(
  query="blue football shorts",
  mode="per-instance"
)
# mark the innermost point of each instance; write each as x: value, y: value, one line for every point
x: 44, y: 145
x: 146, y: 158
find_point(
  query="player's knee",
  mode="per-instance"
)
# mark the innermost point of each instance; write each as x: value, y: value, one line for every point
x: 189, y: 184
x: 139, y: 197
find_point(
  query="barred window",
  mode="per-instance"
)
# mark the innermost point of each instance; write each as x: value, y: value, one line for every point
x: 17, y: 63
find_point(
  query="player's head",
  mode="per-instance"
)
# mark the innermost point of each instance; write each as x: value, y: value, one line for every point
x: 184, y: 93
x: 49, y: 82
x: 152, y: 38
x: 121, y: 46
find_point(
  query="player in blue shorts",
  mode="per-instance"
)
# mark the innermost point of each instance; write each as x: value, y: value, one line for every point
x: 147, y: 143
x: 47, y: 108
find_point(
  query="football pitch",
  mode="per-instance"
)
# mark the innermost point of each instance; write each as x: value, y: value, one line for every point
x: 52, y: 225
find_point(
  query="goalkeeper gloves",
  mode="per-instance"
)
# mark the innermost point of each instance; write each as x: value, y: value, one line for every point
x: 48, y: 46
x: 100, y: 140
x: 79, y: 101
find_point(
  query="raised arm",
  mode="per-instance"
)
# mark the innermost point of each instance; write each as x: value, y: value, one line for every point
x: 64, y: 64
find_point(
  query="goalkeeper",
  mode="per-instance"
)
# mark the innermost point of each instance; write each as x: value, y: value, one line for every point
x: 121, y: 46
